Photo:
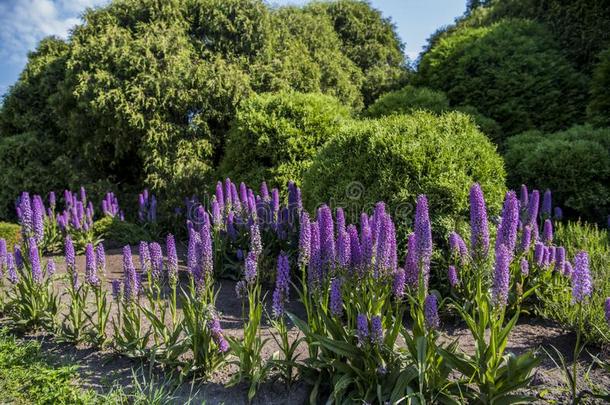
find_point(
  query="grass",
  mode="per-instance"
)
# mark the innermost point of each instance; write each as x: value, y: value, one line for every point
x: 577, y: 236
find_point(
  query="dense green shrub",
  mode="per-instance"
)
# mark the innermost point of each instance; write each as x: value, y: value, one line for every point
x: 598, y: 110
x: 511, y: 71
x: 575, y: 164
x: 396, y: 158
x: 407, y: 100
x: 119, y: 233
x: 11, y: 233
x: 275, y: 135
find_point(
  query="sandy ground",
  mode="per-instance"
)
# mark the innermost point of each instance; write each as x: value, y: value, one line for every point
x: 103, y: 370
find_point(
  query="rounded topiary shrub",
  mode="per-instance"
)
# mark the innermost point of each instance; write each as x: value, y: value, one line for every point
x: 574, y: 164
x: 274, y: 136
x: 407, y: 100
x: 512, y: 71
x: 396, y: 158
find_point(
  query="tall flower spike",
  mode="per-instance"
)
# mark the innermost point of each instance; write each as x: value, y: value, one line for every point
x: 70, y: 255
x: 398, y: 287
x: 314, y: 273
x: 144, y: 253
x: 411, y: 268
x: 304, y: 240
x: 3, y: 255
x: 207, y: 252
x: 100, y: 258
x: 282, y: 285
x: 507, y: 231
x: 366, y: 244
x: 581, y: 278
x: 362, y: 329
x: 532, y: 207
x: 355, y: 250
x: 50, y: 268
x: 607, y: 310
x: 256, y: 245
x: 11, y: 271
x: 526, y: 238
x: 34, y: 261
x: 524, y: 197
x: 340, y: 220
x: 423, y: 237
x: 376, y: 330
x: 38, y: 218
x: 172, y: 259
x: 220, y: 195
x: 90, y: 266
x: 251, y: 268
x: 452, y: 276
x: 560, y: 259
x: 327, y: 237
x: 343, y: 249
x: 479, y: 239
x: 431, y: 312
x: 131, y: 282
x: 547, y: 204
x: 336, y: 300
x: 501, y: 276
x: 524, y: 266
x: 547, y: 232
x: 156, y: 260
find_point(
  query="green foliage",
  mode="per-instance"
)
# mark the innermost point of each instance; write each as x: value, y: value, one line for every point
x: 370, y: 41
x: 394, y: 159
x: 11, y: 233
x: 407, y: 100
x: 29, y: 378
x: 575, y: 237
x: 598, y: 110
x: 275, y: 136
x: 511, y: 71
x: 120, y: 232
x: 575, y: 164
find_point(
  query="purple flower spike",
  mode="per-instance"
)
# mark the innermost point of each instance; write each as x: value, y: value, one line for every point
x: 560, y: 259
x: 340, y: 220
x: 431, y: 312
x: 459, y: 251
x: 282, y: 285
x: 35, y: 261
x: 607, y: 310
x: 411, y: 268
x: 376, y: 330
x: 38, y: 218
x: 256, y: 246
x: 116, y: 289
x: 172, y: 259
x: 501, y: 276
x: 526, y: 238
x: 479, y: 239
x: 539, y: 253
x: 507, y: 231
x: 207, y: 252
x: 304, y: 240
x: 567, y: 269
x: 546, y: 204
x: 314, y: 274
x: 90, y: 266
x: 524, y: 197
x: 220, y: 195
x: 362, y: 329
x: 131, y: 281
x: 156, y: 261
x: 398, y: 287
x: 11, y: 272
x: 251, y: 267
x: 581, y: 278
x: 524, y: 266
x: 547, y: 232
x: 70, y: 255
x: 336, y: 300
x: 366, y: 245
x: 355, y: 250
x: 217, y: 335
x: 452, y: 276
x: 144, y: 252
x: 532, y: 208
x: 327, y: 237
x: 343, y: 249
x: 100, y: 258
x: 423, y: 237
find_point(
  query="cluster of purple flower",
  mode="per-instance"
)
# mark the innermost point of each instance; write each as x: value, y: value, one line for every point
x: 78, y: 213
x: 110, y: 206
x: 147, y: 207
x: 31, y: 214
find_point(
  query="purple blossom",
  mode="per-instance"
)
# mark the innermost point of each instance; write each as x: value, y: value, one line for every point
x: 539, y: 253
x: 567, y: 269
x: 282, y: 285
x: 34, y: 257
x: 90, y: 266
x: 343, y: 249
x: 607, y: 310
x: 479, y: 239
x: 411, y: 268
x: 216, y: 215
x: 547, y: 204
x: 38, y: 218
x: 52, y: 199
x: 452, y: 276
x: 336, y: 300
x: 340, y: 220
x: 264, y: 191
x: 366, y: 244
x: 314, y: 274
x: 304, y: 240
x: 144, y: 253
x: 50, y: 269
x: 423, y: 237
x: 501, y: 276
x: 547, y: 232
x: 256, y: 246
x: 532, y: 208
x: 3, y: 255
x: 70, y: 255
x: 431, y: 312
x: 24, y: 212
x: 524, y: 266
x: 156, y: 260
x: 241, y: 289
x: 558, y: 213
x: 11, y: 273
x: 398, y: 287
x: 18, y: 257
x: 220, y: 195
x: 217, y: 335
x: 100, y: 258
x: 458, y: 248
x: 275, y: 202
x: 228, y: 194
x: 327, y: 237
x: 207, y: 252
x: 376, y: 330
x: 581, y: 278
x: 354, y: 245
x: 172, y: 259
x: 523, y: 197
x: 116, y: 289
x: 526, y: 238
x: 362, y: 329
x: 131, y: 282
x: 192, y: 262
x: 251, y: 267
x: 507, y: 231
x: 560, y: 259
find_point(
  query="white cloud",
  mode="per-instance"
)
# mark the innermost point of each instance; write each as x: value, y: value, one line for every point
x: 25, y: 22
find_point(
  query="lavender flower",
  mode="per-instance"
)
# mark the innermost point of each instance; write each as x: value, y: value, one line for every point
x: 336, y: 300
x: 216, y: 332
x: 458, y: 248
x: 216, y: 215
x: 116, y: 289
x: 144, y: 252
x: 376, y: 330
x: 172, y: 259
x: 532, y: 208
x: 524, y: 266
x: 192, y: 262
x: 207, y: 253
x: 100, y: 258
x: 24, y: 212
x: 523, y: 197
x: 327, y: 237
x: 398, y: 287
x: 479, y: 239
x: 343, y: 249
x: 90, y: 266
x: 264, y: 191
x: 340, y: 220
x: 354, y: 245
x: 251, y: 265
x: 256, y: 246
x: 69, y: 255
x: 3, y: 255
x: 560, y: 259
x: 567, y: 269
x: 18, y: 257
x: 539, y: 253
x: 241, y: 289
x: 411, y: 268
x: 304, y: 240
x: 546, y: 204
x: 581, y: 278
x: 607, y: 310
x: 50, y: 268
x: 366, y: 244
x: 220, y: 195
x: 526, y: 238
x: 431, y: 312
x: 11, y: 273
x: 423, y: 237
x: 34, y: 261
x: 282, y: 285
x: 452, y: 276
x: 131, y: 282
x: 547, y: 232
x: 314, y: 274
x: 501, y: 276
x: 362, y: 329
x: 156, y: 259
x: 38, y: 218
x: 507, y: 231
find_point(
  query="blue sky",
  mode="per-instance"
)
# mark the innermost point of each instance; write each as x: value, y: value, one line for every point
x: 25, y: 22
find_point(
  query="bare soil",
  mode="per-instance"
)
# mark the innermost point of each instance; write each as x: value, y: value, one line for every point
x: 103, y: 370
